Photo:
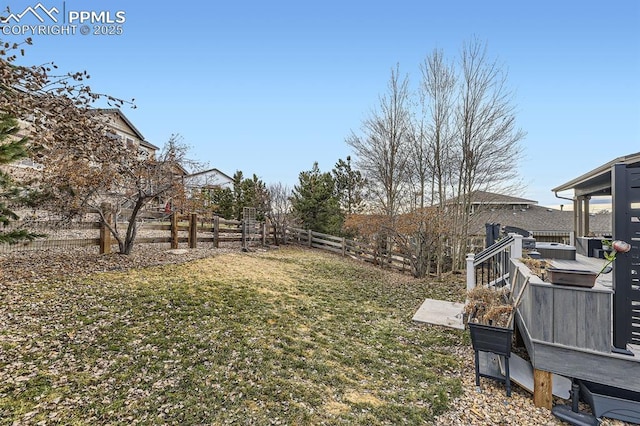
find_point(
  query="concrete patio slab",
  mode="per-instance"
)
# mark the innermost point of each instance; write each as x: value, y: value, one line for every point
x: 440, y: 312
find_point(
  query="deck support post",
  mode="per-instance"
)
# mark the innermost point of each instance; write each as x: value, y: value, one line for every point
x: 542, y: 389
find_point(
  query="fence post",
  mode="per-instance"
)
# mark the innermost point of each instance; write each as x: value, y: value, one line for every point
x: 193, y: 230
x: 310, y: 237
x: 243, y: 226
x: 174, y: 230
x: 344, y: 246
x: 216, y: 231
x: 471, y: 272
x: 105, y: 234
x: 264, y: 233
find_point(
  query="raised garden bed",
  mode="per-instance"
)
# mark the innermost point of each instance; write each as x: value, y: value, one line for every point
x: 493, y: 339
x: 571, y: 277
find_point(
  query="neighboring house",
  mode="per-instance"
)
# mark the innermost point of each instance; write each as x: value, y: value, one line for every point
x: 481, y: 200
x: 121, y: 128
x: 546, y: 224
x: 211, y: 178
x: 199, y: 187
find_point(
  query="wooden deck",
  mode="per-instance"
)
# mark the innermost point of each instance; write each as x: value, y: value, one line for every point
x: 568, y: 330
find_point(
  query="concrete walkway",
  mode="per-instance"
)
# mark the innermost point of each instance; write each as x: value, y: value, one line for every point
x: 441, y: 312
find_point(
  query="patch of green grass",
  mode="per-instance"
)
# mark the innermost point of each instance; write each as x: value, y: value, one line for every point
x: 289, y: 336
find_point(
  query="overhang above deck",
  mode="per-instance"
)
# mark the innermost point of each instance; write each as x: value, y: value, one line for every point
x: 597, y: 181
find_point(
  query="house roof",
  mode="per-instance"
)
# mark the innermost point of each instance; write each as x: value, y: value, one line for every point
x: 484, y: 197
x: 598, y: 180
x: 124, y: 118
x: 211, y: 171
x: 536, y: 219
x: 513, y: 212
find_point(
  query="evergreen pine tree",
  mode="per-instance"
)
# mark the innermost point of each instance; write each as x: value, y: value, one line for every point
x: 249, y: 192
x: 12, y: 149
x: 315, y: 204
x: 223, y: 198
x: 349, y: 186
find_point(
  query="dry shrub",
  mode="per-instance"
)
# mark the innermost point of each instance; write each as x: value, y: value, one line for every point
x: 536, y: 266
x: 489, y: 305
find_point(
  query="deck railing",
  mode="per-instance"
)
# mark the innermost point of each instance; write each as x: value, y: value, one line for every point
x: 491, y: 265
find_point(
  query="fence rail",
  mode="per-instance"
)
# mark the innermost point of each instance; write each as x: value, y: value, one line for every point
x: 346, y: 247
x: 175, y: 230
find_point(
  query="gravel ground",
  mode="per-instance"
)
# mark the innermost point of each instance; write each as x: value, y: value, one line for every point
x: 491, y: 406
x: 487, y: 406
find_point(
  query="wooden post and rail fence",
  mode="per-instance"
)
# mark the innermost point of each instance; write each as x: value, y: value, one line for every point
x: 346, y: 247
x: 193, y: 230
x: 175, y: 230
x: 190, y: 229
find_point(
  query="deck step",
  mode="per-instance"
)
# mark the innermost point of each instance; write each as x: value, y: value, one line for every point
x: 441, y: 312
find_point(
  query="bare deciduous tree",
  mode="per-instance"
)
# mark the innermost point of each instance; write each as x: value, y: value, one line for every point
x: 382, y: 149
x: 488, y: 139
x: 463, y: 139
x: 279, y: 210
x: 434, y: 139
x: 120, y: 187
x: 83, y: 168
x: 438, y: 99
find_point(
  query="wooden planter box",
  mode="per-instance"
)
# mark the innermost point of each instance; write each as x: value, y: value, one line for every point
x: 497, y: 340
x: 572, y: 277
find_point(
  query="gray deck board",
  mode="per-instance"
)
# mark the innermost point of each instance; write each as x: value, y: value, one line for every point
x: 564, y: 317
x: 568, y: 330
x: 610, y: 369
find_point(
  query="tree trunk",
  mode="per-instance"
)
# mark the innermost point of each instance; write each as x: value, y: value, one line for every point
x: 132, y: 230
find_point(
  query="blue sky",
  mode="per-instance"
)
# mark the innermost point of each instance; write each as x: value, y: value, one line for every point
x: 270, y: 87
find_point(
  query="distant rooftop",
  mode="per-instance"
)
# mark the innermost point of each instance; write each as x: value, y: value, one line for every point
x: 536, y: 219
x: 483, y: 197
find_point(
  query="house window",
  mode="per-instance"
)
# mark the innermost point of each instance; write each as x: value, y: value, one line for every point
x: 130, y: 143
x: 114, y: 136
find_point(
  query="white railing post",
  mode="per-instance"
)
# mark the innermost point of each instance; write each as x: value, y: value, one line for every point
x: 471, y: 272
x: 516, y: 250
